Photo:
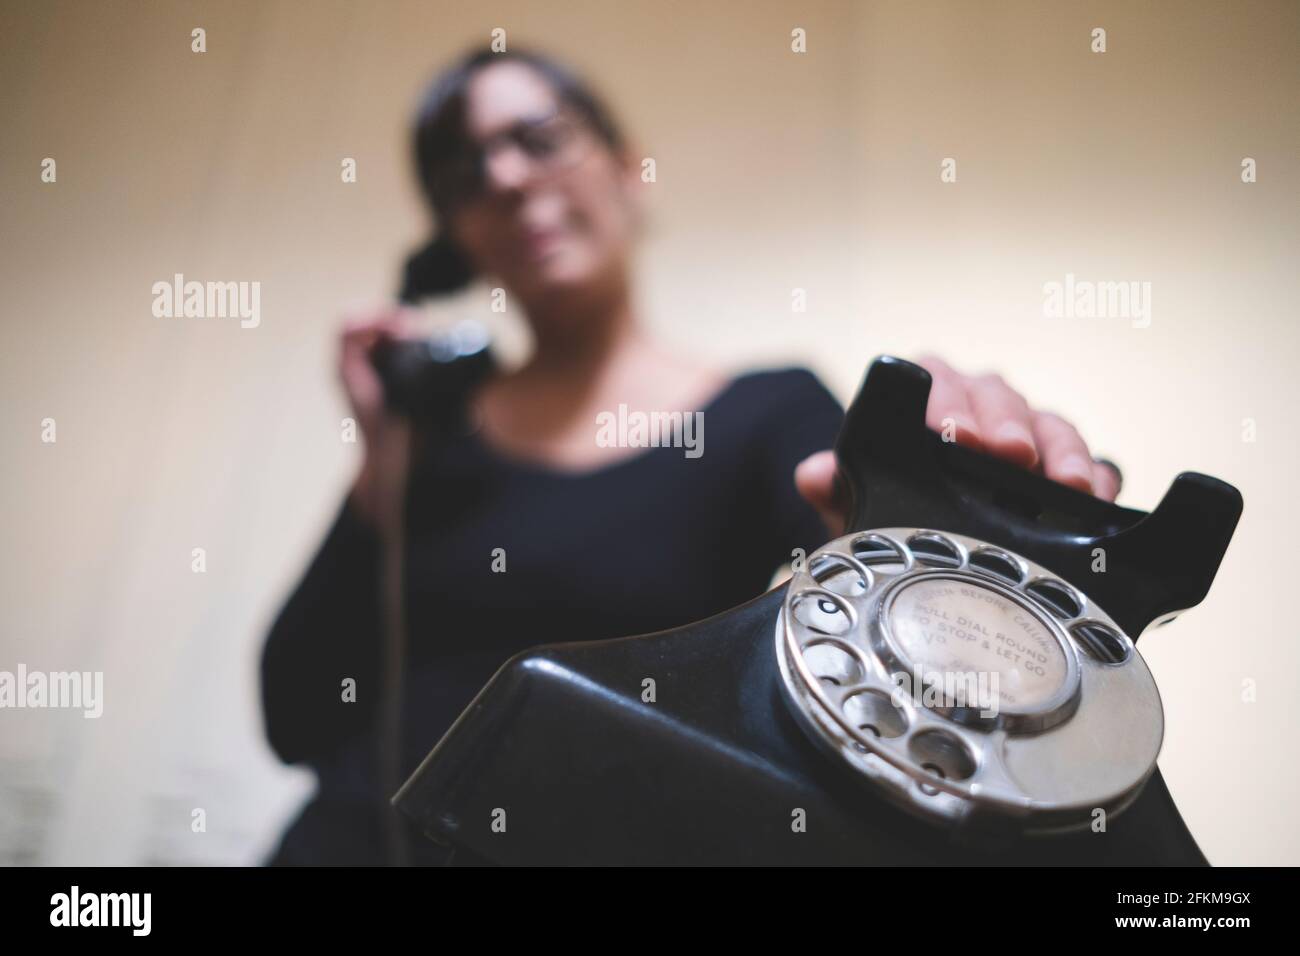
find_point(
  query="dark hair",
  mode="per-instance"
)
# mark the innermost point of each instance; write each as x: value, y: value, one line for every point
x: 440, y: 267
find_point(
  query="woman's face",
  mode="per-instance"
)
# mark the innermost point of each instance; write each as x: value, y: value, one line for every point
x: 557, y: 209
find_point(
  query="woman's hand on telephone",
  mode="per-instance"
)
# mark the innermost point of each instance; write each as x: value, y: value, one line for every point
x: 985, y: 413
x: 377, y: 491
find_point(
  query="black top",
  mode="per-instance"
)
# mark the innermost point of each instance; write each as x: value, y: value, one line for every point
x: 653, y: 541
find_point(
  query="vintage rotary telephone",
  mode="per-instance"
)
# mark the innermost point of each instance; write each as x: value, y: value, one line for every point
x: 784, y: 731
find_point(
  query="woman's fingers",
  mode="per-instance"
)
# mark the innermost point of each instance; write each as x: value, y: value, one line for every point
x: 814, y: 477
x: 1106, y: 480
x: 1005, y: 425
x: 359, y: 378
x: 1063, y: 451
x: 949, y: 410
x: 363, y: 328
x: 1005, y: 421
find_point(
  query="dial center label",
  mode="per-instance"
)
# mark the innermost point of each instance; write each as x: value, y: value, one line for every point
x: 945, y: 626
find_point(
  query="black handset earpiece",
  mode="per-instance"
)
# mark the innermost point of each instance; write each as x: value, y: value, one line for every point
x: 427, y: 379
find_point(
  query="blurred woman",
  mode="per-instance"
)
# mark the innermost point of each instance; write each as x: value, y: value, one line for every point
x: 526, y: 529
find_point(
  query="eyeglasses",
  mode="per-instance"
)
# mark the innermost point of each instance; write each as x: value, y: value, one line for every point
x: 551, y: 143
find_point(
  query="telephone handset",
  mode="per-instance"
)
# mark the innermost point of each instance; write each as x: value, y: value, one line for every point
x: 427, y: 381
x: 954, y: 680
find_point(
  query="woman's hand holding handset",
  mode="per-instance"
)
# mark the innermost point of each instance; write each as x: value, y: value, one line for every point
x: 985, y: 413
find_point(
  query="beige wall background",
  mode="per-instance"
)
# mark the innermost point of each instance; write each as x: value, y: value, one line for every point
x: 775, y: 171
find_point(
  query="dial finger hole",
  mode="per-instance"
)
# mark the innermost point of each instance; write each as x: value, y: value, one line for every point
x: 873, y: 713
x: 879, y: 553
x: 998, y: 564
x: 1102, y: 643
x: 1058, y: 597
x: 934, y: 550
x: 942, y: 754
x: 836, y: 574
x: 832, y: 664
x: 822, y: 612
